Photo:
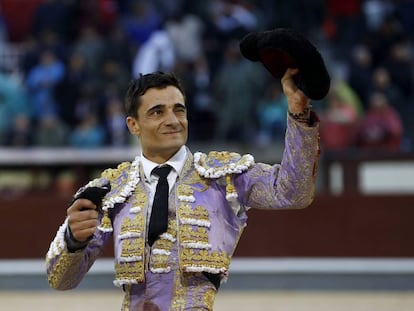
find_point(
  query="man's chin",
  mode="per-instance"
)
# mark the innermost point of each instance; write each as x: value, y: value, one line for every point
x: 173, y: 148
x: 175, y: 141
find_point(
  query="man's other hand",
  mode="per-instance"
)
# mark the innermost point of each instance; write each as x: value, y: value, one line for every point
x: 82, y: 219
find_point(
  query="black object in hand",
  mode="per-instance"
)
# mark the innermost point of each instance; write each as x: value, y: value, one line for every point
x: 94, y: 194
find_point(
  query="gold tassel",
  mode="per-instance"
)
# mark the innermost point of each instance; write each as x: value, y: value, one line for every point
x: 231, y: 192
x: 106, y: 225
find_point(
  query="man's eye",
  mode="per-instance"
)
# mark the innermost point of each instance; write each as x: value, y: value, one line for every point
x: 181, y: 109
x: 156, y: 112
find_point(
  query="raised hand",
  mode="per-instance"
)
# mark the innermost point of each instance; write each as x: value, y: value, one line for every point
x: 298, y: 102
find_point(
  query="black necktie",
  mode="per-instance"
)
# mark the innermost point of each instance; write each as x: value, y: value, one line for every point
x: 159, y: 214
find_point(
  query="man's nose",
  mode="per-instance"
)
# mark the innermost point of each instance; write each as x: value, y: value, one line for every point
x: 171, y: 117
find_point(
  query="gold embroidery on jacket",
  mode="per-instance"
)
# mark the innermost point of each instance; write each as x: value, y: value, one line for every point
x: 113, y: 173
x: 162, y: 249
x: 126, y: 303
x: 222, y: 156
x: 199, y: 183
x: 192, y: 260
x: 140, y: 202
x: 194, y: 226
x: 134, y: 225
x: 185, y: 190
x: 130, y: 269
x: 179, y: 293
x: 129, y: 272
x: 58, y: 276
x: 132, y: 248
x: 166, y: 241
x: 188, y: 235
x: 159, y: 262
x: 208, y: 298
x: 199, y: 212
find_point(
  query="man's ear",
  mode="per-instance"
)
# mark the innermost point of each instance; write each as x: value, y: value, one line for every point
x: 133, y: 125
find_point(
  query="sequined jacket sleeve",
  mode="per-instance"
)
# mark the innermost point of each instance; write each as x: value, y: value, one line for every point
x: 290, y: 184
x: 65, y: 269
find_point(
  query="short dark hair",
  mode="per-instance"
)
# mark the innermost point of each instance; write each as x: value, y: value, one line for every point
x: 137, y: 87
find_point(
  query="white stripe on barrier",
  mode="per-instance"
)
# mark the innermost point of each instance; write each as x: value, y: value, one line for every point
x: 240, y: 265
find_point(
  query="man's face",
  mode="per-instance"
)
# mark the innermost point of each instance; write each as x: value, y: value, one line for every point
x: 162, y: 124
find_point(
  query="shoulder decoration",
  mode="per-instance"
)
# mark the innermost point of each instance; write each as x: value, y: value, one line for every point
x: 113, y: 173
x: 218, y: 164
x: 122, y: 193
x: 221, y: 163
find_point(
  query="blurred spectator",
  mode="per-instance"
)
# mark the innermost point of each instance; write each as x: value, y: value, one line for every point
x: 360, y: 72
x: 100, y: 14
x: 90, y: 45
x: 272, y: 112
x: 381, y: 41
x: 405, y: 12
x: 185, y: 32
x: 114, y: 78
x: 168, y: 8
x: 19, y: 21
x: 40, y: 83
x: 238, y: 87
x: 344, y: 18
x: 56, y: 15
x: 13, y: 103
x: 117, y: 47
x: 51, y: 40
x: 212, y: 46
x: 21, y: 131
x: 381, y: 128
x: 30, y: 57
x: 400, y: 68
x: 68, y: 91
x: 233, y: 18
x: 140, y: 21
x: 87, y: 134
x: 306, y: 16
x: 347, y: 95
x: 338, y: 123
x: 50, y: 132
x: 339, y: 110
x: 381, y: 82
x: 197, y: 83
x: 376, y: 12
x: 226, y: 20
x: 3, y: 27
x: 117, y: 132
x: 157, y: 53
x: 89, y: 103
x: 48, y: 40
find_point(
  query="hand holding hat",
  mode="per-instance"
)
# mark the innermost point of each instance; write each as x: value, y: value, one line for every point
x: 298, y: 102
x: 94, y: 194
x: 282, y: 48
x: 83, y: 214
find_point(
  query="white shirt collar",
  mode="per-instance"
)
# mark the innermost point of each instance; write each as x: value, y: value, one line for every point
x: 177, y: 162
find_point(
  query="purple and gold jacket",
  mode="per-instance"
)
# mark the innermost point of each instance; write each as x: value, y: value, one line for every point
x: 208, y: 203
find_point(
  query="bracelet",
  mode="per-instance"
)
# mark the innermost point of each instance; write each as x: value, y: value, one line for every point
x: 302, y: 117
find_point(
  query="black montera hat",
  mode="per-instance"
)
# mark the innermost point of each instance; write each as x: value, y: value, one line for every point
x: 283, y: 48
